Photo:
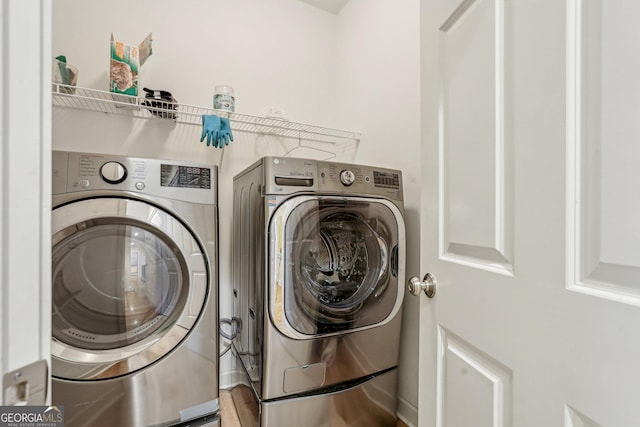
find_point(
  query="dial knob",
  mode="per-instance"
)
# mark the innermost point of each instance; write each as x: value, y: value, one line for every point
x: 347, y: 177
x: 113, y: 172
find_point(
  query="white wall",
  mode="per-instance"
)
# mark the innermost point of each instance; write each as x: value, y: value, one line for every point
x: 357, y: 71
x: 378, y: 63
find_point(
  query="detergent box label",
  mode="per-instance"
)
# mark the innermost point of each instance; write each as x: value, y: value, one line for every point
x: 125, y: 63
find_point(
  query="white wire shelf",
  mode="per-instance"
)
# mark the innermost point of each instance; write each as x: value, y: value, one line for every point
x: 108, y: 102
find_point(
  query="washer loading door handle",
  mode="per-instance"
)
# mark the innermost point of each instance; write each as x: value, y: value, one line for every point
x: 394, y: 261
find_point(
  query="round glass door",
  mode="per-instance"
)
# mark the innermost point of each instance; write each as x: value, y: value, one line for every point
x: 129, y: 281
x: 114, y: 285
x: 340, y: 263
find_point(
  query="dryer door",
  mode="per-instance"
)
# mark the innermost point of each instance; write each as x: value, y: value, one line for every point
x: 335, y: 264
x: 129, y: 281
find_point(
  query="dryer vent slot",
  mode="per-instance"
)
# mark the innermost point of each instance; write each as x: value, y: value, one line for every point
x: 294, y: 181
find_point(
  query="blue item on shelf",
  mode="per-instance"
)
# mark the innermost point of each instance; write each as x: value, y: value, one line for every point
x: 217, y: 130
x: 225, y: 132
x: 210, y: 129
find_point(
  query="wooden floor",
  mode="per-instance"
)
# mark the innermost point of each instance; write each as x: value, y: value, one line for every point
x: 228, y: 410
x: 230, y: 415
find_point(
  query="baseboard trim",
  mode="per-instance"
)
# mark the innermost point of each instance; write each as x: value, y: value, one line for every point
x: 230, y: 379
x: 407, y: 412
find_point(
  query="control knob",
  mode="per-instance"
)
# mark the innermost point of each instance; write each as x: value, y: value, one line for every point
x: 347, y: 177
x: 113, y: 172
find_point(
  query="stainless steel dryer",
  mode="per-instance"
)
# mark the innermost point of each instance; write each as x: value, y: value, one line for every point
x: 318, y: 276
x: 134, y: 290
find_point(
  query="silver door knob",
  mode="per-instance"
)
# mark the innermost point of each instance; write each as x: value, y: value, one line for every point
x: 428, y: 285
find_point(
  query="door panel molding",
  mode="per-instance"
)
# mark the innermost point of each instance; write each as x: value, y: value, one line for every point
x: 602, y: 199
x: 475, y: 182
x: 472, y: 387
x: 573, y: 418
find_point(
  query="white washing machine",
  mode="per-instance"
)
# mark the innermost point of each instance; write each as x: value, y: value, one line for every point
x: 318, y: 278
x: 135, y: 291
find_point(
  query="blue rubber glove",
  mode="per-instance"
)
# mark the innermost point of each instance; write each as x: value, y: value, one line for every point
x: 225, y: 133
x: 210, y: 129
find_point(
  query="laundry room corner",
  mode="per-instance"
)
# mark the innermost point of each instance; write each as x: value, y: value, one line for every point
x: 379, y: 91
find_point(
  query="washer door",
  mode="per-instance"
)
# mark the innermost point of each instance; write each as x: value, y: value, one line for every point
x: 129, y: 281
x: 335, y: 264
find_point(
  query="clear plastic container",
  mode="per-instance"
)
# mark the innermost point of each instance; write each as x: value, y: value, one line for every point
x: 64, y: 74
x: 223, y: 98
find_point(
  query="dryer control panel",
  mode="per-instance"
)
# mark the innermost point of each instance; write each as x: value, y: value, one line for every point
x: 190, y: 182
x: 289, y: 175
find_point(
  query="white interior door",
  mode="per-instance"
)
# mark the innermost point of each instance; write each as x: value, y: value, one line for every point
x: 25, y: 201
x: 530, y: 218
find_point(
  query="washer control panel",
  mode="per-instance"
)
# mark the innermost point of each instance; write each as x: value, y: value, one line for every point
x: 289, y: 175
